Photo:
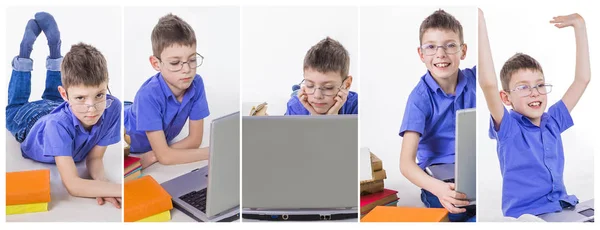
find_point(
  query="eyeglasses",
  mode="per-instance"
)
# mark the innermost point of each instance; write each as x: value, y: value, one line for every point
x: 82, y: 108
x: 310, y: 88
x: 450, y: 48
x: 176, y: 66
x: 526, y: 90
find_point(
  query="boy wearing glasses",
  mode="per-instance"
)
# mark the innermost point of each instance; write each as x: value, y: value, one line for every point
x: 529, y: 144
x: 429, y: 119
x: 166, y: 100
x: 324, y: 90
x: 74, y: 121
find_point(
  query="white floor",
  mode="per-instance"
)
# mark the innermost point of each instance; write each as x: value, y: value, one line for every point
x: 64, y: 207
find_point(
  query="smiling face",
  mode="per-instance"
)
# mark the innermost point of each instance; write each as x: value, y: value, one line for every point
x: 443, y: 64
x: 80, y: 96
x: 327, y: 82
x: 171, y: 59
x: 531, y: 106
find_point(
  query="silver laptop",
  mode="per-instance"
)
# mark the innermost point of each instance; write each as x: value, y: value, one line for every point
x: 465, y: 154
x: 582, y: 212
x: 212, y: 193
x: 443, y: 172
x: 300, y: 167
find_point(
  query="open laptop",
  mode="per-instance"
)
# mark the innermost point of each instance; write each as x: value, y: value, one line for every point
x: 465, y: 154
x: 212, y: 193
x: 582, y: 212
x: 300, y: 167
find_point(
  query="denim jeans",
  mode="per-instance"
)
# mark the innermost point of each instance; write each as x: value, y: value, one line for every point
x: 431, y: 201
x: 21, y: 114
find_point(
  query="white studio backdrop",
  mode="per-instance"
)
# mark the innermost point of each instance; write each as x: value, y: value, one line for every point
x: 532, y: 34
x: 275, y: 41
x: 389, y: 38
x: 217, y: 34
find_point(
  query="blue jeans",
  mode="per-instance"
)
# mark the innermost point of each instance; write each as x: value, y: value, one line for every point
x: 21, y: 114
x: 431, y: 201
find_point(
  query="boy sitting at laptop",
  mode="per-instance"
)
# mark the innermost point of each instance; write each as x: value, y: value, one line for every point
x: 324, y: 89
x: 529, y: 144
x: 168, y: 99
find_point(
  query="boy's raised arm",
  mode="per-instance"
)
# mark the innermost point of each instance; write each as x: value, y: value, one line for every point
x: 582, y: 59
x: 194, y: 138
x: 487, y: 75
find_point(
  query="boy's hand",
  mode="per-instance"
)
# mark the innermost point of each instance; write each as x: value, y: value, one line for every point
x: 115, y: 201
x: 304, y: 100
x: 574, y: 20
x: 340, y: 99
x: 148, y: 158
x: 449, y: 198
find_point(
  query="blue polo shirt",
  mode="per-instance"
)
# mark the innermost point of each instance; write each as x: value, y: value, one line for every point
x: 532, y: 161
x: 295, y: 107
x: 156, y: 108
x: 60, y: 133
x: 432, y: 113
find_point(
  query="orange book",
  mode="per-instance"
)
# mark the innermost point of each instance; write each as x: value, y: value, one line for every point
x: 405, y: 214
x: 27, y: 187
x: 144, y: 197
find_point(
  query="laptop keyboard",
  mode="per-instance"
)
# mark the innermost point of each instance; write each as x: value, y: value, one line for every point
x: 196, y: 199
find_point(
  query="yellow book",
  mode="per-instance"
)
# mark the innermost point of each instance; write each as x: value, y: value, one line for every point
x: 161, y: 217
x: 26, y: 208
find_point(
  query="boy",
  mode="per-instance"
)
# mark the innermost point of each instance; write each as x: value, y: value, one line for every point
x: 529, y: 143
x: 429, y: 119
x: 326, y: 67
x: 166, y: 100
x: 74, y: 121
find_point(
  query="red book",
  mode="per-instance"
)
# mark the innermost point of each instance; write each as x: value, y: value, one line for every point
x: 131, y: 163
x: 368, y: 202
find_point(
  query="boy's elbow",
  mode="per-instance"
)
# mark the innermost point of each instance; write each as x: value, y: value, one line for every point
x: 72, y: 187
x: 162, y: 157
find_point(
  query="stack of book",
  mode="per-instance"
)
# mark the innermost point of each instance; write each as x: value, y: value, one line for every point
x: 146, y: 201
x: 372, y: 191
x: 133, y: 168
x: 27, y: 191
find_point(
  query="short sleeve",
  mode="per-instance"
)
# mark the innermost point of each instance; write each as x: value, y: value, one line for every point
x: 113, y: 123
x: 200, y: 105
x: 148, y: 109
x: 58, y: 141
x: 415, y: 115
x: 560, y: 114
x: 508, y: 126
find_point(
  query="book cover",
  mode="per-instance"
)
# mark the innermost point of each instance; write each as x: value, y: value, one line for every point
x: 131, y: 163
x: 28, y: 187
x: 161, y: 217
x: 26, y: 208
x: 405, y: 214
x: 370, y: 201
x: 144, y: 197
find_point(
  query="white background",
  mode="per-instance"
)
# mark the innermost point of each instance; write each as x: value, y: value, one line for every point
x: 389, y: 40
x: 532, y: 34
x: 102, y: 29
x: 217, y: 35
x: 275, y: 41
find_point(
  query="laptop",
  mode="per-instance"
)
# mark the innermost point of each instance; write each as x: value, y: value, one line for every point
x: 582, y: 212
x: 300, y: 167
x: 212, y: 193
x: 465, y: 154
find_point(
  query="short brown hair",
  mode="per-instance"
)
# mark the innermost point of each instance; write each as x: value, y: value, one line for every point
x: 83, y: 65
x: 169, y: 31
x: 517, y: 62
x: 441, y: 20
x: 328, y: 55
